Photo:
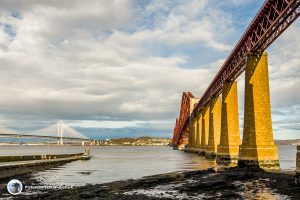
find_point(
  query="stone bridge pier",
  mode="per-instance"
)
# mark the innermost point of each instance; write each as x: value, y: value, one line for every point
x: 258, y: 148
x: 213, y: 130
x: 204, y: 128
x: 214, y: 127
x: 214, y: 119
x: 228, y: 149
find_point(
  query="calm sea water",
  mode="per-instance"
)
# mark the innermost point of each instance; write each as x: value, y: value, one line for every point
x: 116, y: 163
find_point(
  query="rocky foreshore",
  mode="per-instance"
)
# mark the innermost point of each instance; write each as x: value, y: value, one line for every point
x: 202, y: 184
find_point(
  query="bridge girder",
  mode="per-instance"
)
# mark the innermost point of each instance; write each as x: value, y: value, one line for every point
x: 183, y: 116
x: 273, y: 18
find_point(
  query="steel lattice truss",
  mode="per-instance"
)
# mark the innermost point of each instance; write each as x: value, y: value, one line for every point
x: 273, y: 18
x: 183, y: 116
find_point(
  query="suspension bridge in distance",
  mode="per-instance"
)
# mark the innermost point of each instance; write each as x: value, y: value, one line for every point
x: 21, y: 164
x: 60, y: 131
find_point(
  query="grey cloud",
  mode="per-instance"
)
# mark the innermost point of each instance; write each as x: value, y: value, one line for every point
x: 295, y: 127
x: 67, y: 63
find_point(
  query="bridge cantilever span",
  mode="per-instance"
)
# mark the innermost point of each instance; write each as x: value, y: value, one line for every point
x: 273, y: 18
x: 188, y: 100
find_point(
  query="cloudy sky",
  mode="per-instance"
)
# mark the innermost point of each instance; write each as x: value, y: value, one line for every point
x: 117, y: 68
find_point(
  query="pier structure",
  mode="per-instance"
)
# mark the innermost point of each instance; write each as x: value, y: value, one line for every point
x: 60, y: 132
x: 228, y: 148
x: 211, y: 126
x: 17, y: 165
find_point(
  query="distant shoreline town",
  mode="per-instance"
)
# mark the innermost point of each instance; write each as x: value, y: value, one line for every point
x: 140, y: 141
x: 288, y: 142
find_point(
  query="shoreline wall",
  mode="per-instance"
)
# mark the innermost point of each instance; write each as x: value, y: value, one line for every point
x: 36, y: 157
x: 26, y: 168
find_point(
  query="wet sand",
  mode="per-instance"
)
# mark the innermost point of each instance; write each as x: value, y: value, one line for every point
x: 201, y: 184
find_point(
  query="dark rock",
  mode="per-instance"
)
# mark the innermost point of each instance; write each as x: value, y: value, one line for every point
x: 87, y: 194
x: 228, y: 184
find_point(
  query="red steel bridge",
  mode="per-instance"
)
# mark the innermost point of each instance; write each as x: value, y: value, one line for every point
x: 273, y: 18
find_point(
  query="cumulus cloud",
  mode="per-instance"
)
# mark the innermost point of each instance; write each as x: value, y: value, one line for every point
x: 113, y: 61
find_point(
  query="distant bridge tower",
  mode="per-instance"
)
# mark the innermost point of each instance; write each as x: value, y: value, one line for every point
x: 60, y: 133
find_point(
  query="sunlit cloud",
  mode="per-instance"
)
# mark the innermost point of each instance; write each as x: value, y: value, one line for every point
x: 120, y: 67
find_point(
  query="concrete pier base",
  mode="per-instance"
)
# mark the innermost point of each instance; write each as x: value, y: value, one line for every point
x: 227, y: 155
x: 265, y: 157
x: 201, y: 152
x: 191, y: 150
x: 210, y: 154
x: 180, y: 147
x: 263, y: 164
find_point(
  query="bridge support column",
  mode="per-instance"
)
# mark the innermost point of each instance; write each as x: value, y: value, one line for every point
x: 204, y: 130
x: 192, y: 133
x: 228, y: 149
x: 214, y: 127
x: 195, y: 132
x: 60, y: 141
x: 297, y: 179
x: 191, y: 148
x: 258, y: 148
x: 198, y: 130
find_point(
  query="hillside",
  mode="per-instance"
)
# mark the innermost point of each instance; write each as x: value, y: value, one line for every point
x: 141, y: 141
x: 288, y: 142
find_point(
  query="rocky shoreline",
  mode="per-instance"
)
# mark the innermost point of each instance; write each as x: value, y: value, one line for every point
x: 213, y: 183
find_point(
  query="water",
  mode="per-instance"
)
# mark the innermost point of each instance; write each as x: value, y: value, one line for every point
x: 10, y: 150
x: 287, y: 157
x: 116, y: 163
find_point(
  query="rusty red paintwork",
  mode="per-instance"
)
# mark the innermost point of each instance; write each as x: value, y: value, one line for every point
x: 184, y: 136
x: 183, y: 116
x: 273, y: 18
